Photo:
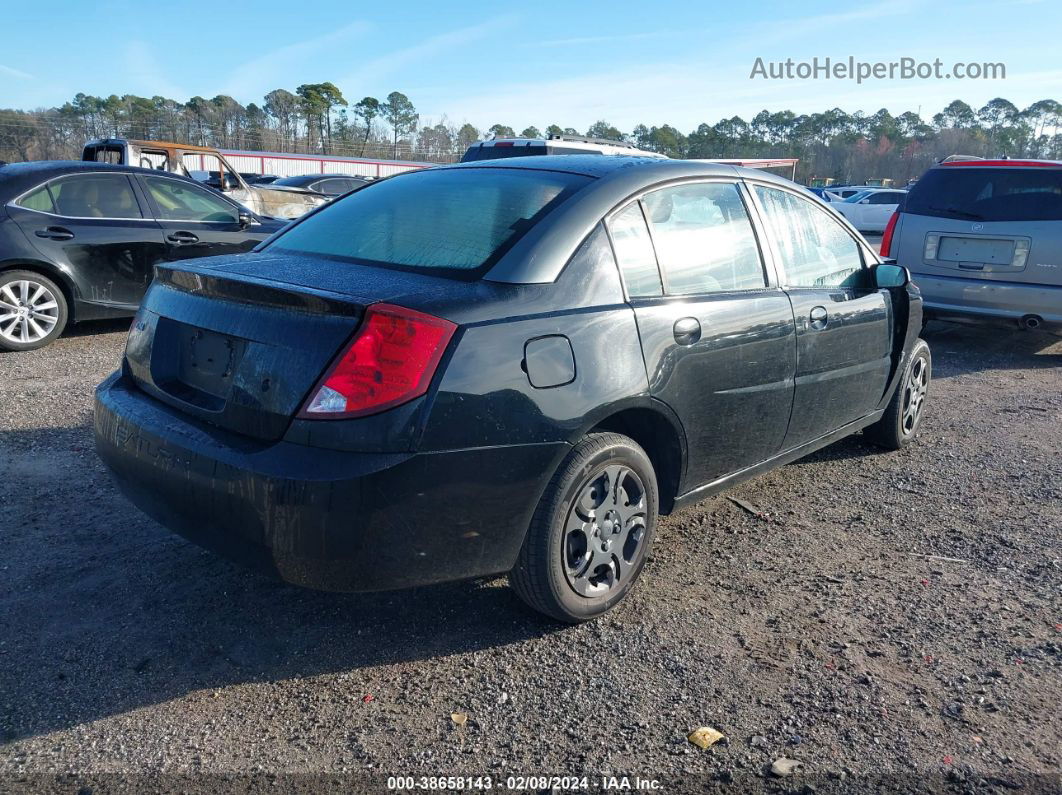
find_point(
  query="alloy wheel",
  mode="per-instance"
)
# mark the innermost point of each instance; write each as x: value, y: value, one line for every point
x: 605, y: 531
x: 914, y: 395
x: 29, y: 311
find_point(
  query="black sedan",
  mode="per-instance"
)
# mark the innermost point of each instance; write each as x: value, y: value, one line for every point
x: 328, y: 184
x: 79, y: 241
x: 489, y: 368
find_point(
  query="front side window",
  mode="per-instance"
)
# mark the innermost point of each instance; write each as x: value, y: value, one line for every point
x: 704, y: 239
x: 182, y: 201
x: 815, y: 250
x: 634, y: 252
x: 448, y: 222
x: 86, y: 196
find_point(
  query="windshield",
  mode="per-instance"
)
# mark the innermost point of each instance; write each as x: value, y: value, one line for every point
x: 855, y: 198
x: 449, y: 222
x: 988, y: 194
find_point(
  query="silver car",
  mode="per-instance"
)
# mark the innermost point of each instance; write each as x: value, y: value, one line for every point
x: 983, y: 239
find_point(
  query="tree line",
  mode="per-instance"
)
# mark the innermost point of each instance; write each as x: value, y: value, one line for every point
x: 317, y: 119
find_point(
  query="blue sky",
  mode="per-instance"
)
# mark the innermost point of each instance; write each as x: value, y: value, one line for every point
x: 528, y: 63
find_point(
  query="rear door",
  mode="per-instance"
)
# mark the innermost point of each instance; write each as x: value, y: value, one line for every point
x: 195, y: 221
x: 843, y: 328
x: 716, y: 333
x: 996, y: 223
x: 93, y: 226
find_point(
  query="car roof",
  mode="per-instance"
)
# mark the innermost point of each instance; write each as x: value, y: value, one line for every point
x: 648, y: 169
x: 979, y: 163
x: 315, y: 177
x: 540, y: 255
x: 19, y: 176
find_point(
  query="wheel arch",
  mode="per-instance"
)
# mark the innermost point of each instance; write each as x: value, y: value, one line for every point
x: 657, y: 431
x: 51, y: 272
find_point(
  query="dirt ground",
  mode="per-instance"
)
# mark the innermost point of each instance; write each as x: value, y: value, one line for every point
x: 892, y: 621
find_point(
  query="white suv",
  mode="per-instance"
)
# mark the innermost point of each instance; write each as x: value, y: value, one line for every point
x: 553, y: 145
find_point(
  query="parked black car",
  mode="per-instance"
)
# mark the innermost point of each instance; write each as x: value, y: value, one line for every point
x: 506, y: 367
x: 79, y: 241
x: 328, y: 184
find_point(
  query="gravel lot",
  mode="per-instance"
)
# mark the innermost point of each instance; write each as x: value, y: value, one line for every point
x: 823, y: 632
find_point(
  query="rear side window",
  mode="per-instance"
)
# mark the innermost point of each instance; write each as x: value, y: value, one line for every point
x: 885, y: 198
x: 86, y: 196
x: 333, y: 187
x: 815, y: 250
x: 988, y: 194
x: 449, y: 222
x: 634, y: 252
x: 39, y: 199
x: 704, y: 239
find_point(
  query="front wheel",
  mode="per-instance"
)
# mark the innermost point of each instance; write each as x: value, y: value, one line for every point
x: 592, y: 531
x: 899, y: 424
x: 33, y: 311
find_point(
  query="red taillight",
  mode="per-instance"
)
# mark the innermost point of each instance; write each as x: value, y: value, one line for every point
x: 886, y: 237
x: 390, y: 361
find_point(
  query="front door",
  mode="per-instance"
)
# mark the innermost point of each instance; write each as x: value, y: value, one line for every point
x: 195, y: 221
x: 93, y: 226
x: 717, y: 338
x: 844, y: 326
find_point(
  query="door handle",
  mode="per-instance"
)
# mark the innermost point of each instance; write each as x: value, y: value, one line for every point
x: 687, y: 330
x: 55, y: 233
x: 182, y: 238
x: 819, y: 317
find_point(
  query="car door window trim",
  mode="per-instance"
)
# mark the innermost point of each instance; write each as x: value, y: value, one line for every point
x: 157, y: 213
x: 143, y: 216
x: 866, y: 256
x: 607, y: 222
x: 772, y: 281
x: 748, y: 216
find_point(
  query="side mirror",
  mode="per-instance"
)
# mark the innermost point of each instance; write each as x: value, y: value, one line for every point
x: 246, y: 219
x: 865, y: 201
x: 889, y: 274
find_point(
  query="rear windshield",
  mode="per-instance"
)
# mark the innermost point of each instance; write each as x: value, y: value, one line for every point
x: 498, y: 152
x: 988, y: 194
x: 450, y: 222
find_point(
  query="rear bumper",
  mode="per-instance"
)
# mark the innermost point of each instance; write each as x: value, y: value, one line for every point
x: 321, y: 518
x: 960, y: 298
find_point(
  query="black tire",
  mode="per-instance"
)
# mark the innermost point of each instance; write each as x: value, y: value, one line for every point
x: 546, y: 575
x: 899, y: 425
x: 51, y: 319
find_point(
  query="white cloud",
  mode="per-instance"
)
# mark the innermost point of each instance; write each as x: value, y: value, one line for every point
x: 583, y: 40
x: 801, y: 28
x: 7, y: 70
x: 369, y: 76
x: 265, y: 72
x: 687, y: 94
x: 147, y: 76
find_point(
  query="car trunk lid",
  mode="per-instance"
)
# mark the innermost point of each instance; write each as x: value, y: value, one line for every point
x: 236, y: 352
x: 240, y: 341
x: 1026, y: 252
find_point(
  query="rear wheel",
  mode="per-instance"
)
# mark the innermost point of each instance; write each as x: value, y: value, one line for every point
x: 33, y: 311
x: 899, y: 424
x: 592, y: 531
